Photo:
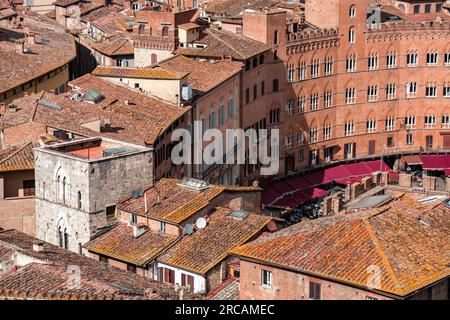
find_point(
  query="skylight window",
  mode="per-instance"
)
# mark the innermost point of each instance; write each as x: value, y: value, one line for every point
x: 194, y: 183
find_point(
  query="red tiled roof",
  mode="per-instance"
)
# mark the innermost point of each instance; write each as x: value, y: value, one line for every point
x: 221, y: 43
x: 120, y: 244
x: 404, y: 239
x: 54, y: 49
x: 168, y: 201
x: 203, y: 75
x: 18, y: 158
x: 48, y: 278
x: 147, y: 113
x: 205, y: 248
x: 140, y: 73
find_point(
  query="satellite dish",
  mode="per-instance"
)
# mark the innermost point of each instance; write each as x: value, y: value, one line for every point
x: 201, y: 223
x: 188, y: 229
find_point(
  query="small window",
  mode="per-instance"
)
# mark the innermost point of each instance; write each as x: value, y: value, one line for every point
x: 79, y: 200
x: 314, y: 291
x: 131, y: 268
x: 104, y: 259
x: 275, y: 86
x: 416, y: 8
x: 28, y: 188
x: 133, y: 218
x: 162, y: 227
x: 266, y: 278
x: 352, y: 12
x: 110, y: 211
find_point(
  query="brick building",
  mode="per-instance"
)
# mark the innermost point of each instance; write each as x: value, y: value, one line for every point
x: 151, y: 222
x: 362, y: 80
x: 79, y: 183
x: 36, y: 54
x: 34, y: 270
x: 390, y: 252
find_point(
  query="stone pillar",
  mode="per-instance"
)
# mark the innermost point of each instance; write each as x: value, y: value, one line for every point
x: 448, y: 184
x: 328, y: 206
x: 384, y: 178
x: 2, y: 187
x: 337, y: 203
x: 429, y: 183
x: 405, y: 180
x: 376, y: 177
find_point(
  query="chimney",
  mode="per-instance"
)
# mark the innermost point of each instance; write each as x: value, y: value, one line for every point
x: 138, y: 231
x: 145, y: 203
x: 38, y: 247
x: 20, y: 47
x: 31, y: 38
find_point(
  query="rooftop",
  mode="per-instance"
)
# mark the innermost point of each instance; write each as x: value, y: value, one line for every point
x: 140, y: 73
x: 404, y: 239
x: 172, y: 201
x: 206, y: 247
x: 203, y: 76
x: 94, y: 148
x: 17, y: 158
x: 115, y: 115
x: 50, y: 270
x: 221, y: 43
x: 119, y: 243
x: 51, y: 49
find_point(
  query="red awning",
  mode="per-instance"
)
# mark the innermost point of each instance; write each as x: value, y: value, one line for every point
x: 294, y: 191
x: 435, y: 162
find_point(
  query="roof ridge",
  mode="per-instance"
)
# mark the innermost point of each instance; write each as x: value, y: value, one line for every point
x: 36, y: 105
x: 380, y: 251
x: 224, y: 42
x: 15, y: 152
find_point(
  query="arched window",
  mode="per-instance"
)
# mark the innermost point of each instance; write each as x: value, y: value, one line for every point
x: 64, y: 190
x: 165, y: 31
x: 275, y: 37
x: 60, y: 237
x: 352, y: 11
x: 79, y: 200
x: 351, y: 35
x: 66, y: 239
x: 154, y: 58
x: 58, y: 190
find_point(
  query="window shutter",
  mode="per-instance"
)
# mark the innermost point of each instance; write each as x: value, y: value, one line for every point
x: 183, y: 279
x: 191, y: 283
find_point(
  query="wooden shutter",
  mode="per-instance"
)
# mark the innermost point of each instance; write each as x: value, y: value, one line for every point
x: 446, y: 143
x: 372, y: 147
x: 171, y: 276
x: 183, y: 279
x: 191, y: 283
x: 166, y: 275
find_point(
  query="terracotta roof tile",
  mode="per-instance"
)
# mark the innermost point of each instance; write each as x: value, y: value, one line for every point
x: 168, y: 201
x: 203, y: 75
x: 54, y: 48
x: 21, y: 158
x: 141, y: 73
x: 120, y: 244
x: 117, y: 47
x: 405, y: 240
x: 49, y: 278
x: 205, y: 248
x: 221, y: 43
x: 125, y: 108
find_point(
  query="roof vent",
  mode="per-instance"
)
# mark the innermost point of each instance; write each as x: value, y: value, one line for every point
x: 194, y: 183
x: 239, y: 214
x: 137, y: 193
x: 49, y: 104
